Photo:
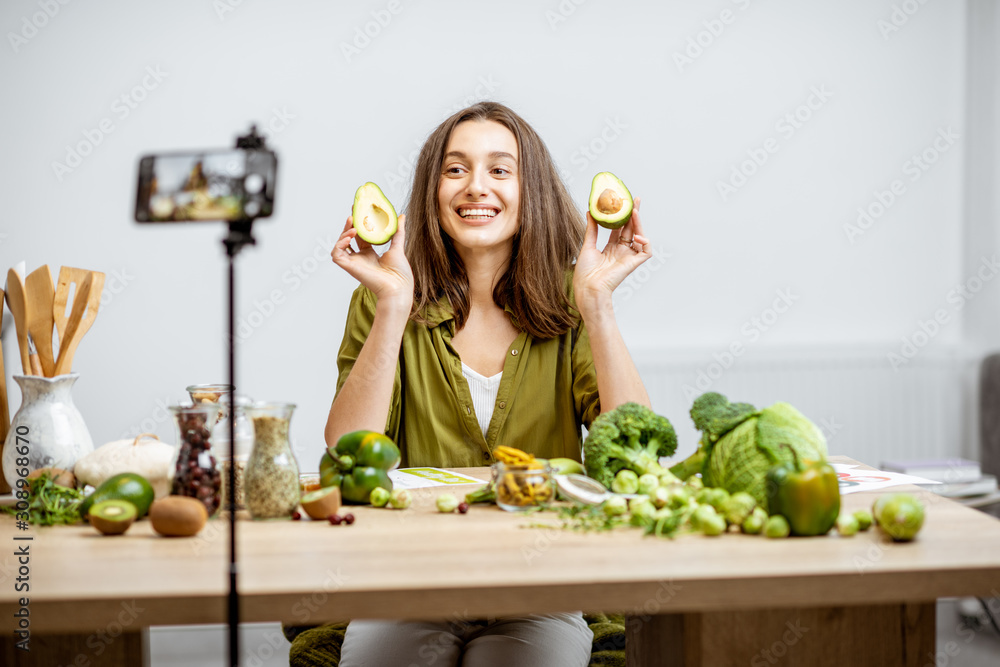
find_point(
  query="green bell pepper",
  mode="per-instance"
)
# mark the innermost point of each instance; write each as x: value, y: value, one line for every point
x: 808, y: 495
x: 377, y: 452
x: 364, y: 449
x: 357, y: 485
x: 349, y: 442
x: 330, y: 471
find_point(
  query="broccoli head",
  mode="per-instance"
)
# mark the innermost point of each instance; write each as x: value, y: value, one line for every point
x: 715, y: 416
x: 629, y: 437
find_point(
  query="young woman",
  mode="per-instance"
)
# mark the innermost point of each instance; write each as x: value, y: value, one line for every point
x: 476, y: 329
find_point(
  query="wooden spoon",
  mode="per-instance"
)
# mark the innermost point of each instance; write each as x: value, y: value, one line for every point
x: 41, y: 294
x: 85, y: 304
x: 4, y: 410
x: 19, y: 309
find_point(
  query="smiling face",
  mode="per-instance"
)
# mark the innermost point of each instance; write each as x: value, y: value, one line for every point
x: 479, y: 190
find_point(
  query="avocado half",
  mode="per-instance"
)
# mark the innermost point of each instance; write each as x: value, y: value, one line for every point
x: 610, y: 201
x: 374, y: 217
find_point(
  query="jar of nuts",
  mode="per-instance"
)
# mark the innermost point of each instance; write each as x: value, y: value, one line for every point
x: 195, y: 471
x: 271, y: 481
x: 209, y: 393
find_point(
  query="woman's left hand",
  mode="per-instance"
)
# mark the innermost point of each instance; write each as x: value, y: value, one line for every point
x: 598, y: 273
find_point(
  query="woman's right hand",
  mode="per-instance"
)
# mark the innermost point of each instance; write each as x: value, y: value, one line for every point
x: 389, y: 277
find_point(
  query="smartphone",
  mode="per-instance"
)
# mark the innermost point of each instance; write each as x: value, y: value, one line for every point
x: 227, y: 184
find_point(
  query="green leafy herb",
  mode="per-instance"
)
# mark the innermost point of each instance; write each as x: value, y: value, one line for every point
x: 589, y: 518
x: 50, y: 504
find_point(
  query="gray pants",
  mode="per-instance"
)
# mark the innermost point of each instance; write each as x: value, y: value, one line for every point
x: 538, y: 640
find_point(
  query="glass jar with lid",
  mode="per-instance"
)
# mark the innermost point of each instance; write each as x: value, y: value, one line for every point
x: 195, y: 472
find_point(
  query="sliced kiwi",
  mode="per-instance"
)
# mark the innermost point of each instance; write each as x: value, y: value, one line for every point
x: 321, y: 503
x: 113, y: 517
x: 178, y: 516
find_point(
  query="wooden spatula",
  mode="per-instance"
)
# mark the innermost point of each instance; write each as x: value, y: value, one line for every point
x: 41, y: 294
x: 67, y: 277
x: 4, y: 410
x: 85, y: 304
x: 18, y: 308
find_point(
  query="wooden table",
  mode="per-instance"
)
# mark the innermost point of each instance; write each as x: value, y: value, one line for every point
x: 733, y: 599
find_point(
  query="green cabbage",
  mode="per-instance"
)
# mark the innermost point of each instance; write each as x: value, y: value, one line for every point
x: 739, y: 458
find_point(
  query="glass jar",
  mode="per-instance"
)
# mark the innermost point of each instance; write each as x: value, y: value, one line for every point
x: 195, y: 471
x: 271, y: 482
x: 244, y: 444
x: 221, y: 395
x: 208, y: 393
x: 522, y: 486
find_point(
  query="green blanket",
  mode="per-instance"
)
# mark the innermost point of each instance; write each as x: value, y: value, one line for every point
x: 320, y: 647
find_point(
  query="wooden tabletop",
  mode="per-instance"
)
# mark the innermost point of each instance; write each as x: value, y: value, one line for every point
x: 419, y: 563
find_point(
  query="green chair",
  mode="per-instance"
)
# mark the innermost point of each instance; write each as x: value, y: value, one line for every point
x: 320, y: 646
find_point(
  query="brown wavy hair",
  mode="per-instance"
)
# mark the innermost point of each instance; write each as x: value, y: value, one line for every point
x: 548, y: 237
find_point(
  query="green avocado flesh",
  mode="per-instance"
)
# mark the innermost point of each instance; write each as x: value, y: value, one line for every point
x: 610, y: 201
x: 374, y: 216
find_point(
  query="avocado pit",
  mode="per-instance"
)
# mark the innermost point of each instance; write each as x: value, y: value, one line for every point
x: 609, y: 202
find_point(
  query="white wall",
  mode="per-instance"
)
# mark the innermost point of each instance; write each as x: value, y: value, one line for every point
x: 594, y: 76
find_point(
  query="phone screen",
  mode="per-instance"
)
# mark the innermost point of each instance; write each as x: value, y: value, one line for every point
x: 210, y: 185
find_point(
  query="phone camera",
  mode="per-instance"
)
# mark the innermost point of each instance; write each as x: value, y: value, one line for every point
x: 253, y: 183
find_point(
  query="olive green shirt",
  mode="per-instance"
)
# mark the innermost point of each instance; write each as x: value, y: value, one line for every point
x: 547, y: 390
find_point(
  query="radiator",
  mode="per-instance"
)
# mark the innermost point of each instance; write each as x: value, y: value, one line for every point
x: 866, y: 409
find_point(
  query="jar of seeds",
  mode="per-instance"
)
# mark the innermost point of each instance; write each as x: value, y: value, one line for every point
x: 271, y: 481
x: 233, y: 458
x: 195, y: 471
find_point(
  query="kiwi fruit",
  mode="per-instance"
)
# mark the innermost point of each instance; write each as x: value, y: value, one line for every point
x: 113, y: 517
x: 178, y: 516
x: 321, y: 503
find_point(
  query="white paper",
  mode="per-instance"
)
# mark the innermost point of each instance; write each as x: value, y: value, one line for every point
x: 853, y: 480
x: 420, y: 478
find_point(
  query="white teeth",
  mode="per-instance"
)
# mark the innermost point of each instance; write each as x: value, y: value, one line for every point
x: 476, y: 212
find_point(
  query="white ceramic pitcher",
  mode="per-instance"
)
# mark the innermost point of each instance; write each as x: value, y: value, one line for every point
x: 48, y: 425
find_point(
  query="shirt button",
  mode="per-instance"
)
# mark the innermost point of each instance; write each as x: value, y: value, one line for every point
x: 503, y: 404
x: 514, y: 352
x: 486, y: 456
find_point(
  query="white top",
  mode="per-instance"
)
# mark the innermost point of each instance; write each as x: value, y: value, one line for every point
x: 484, y: 392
